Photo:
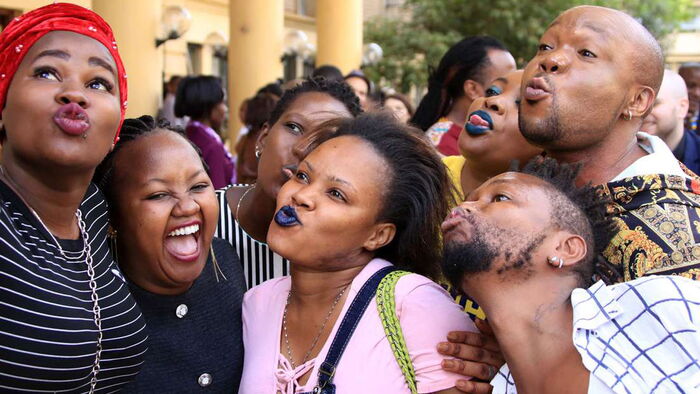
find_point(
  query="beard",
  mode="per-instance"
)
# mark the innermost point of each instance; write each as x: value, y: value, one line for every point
x: 488, y: 244
x: 542, y: 133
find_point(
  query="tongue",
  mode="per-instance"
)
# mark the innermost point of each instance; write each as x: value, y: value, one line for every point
x: 183, y: 245
x: 477, y: 121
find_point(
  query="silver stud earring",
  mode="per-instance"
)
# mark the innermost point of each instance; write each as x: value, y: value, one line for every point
x: 258, y: 152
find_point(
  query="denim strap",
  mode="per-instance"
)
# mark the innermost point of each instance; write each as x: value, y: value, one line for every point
x: 347, y: 327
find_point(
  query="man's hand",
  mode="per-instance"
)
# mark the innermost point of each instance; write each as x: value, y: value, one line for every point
x: 477, y: 355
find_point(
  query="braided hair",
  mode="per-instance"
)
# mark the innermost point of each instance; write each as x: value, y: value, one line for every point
x: 131, y: 130
x: 337, y: 89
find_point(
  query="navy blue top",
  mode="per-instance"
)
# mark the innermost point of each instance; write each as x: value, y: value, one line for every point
x: 203, y: 349
x: 688, y: 151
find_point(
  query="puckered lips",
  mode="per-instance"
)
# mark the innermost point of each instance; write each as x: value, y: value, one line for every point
x: 455, y: 221
x: 287, y: 216
x: 536, y: 90
x: 72, y: 119
x: 182, y: 241
x: 479, y: 123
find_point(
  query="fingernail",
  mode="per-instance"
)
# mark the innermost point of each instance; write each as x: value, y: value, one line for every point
x: 451, y: 335
x: 448, y: 364
x: 443, y: 347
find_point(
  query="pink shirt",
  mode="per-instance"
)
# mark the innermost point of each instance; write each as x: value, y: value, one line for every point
x: 426, y: 311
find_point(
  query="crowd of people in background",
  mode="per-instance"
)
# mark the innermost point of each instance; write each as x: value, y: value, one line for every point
x: 528, y: 229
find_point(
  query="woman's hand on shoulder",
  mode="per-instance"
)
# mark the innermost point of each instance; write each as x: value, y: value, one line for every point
x: 476, y: 355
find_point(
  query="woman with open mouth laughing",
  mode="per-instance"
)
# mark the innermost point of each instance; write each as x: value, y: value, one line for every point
x: 368, y: 199
x: 491, y: 139
x: 188, y: 285
x: 67, y: 320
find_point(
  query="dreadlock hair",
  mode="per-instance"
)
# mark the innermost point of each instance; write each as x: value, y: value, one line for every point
x: 132, y: 129
x: 579, y: 210
x: 418, y: 193
x: 336, y: 89
x: 465, y: 60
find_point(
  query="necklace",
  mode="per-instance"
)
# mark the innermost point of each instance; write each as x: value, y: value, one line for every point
x: 318, y: 334
x: 238, y: 206
x: 87, y: 253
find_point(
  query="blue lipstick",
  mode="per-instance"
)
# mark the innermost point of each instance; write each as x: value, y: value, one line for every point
x: 287, y: 217
x: 478, y: 123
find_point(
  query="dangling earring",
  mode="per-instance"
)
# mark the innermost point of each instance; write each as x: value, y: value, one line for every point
x: 629, y: 114
x: 112, y: 239
x: 258, y: 152
x: 556, y: 260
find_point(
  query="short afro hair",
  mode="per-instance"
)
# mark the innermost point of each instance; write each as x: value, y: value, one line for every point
x: 337, y: 89
x: 579, y: 210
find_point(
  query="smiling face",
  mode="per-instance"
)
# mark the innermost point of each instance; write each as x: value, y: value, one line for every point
x: 336, y: 195
x: 165, y: 214
x: 579, y: 82
x: 499, y: 229
x: 62, y: 105
x: 491, y: 138
x: 305, y: 114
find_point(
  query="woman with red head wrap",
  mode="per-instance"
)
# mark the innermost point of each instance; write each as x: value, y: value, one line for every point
x: 67, y: 320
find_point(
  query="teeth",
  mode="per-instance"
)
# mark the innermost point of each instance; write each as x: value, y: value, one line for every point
x: 184, y: 230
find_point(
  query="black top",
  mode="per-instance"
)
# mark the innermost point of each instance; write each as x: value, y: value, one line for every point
x: 47, y: 331
x: 195, y: 334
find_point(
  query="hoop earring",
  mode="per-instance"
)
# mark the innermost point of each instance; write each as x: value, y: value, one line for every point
x: 629, y: 115
x: 556, y: 260
x: 258, y: 152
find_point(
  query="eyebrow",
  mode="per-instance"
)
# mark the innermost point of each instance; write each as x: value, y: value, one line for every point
x: 61, y: 54
x: 161, y: 180
x: 96, y: 61
x: 335, y: 179
x: 53, y: 53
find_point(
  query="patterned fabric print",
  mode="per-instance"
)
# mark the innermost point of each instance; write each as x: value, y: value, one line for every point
x: 659, y: 219
x: 436, y: 131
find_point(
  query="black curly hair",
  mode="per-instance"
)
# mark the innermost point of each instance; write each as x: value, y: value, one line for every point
x: 132, y: 129
x: 337, y: 89
x: 580, y: 210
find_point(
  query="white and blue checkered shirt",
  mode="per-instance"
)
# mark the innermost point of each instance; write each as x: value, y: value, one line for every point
x: 641, y: 336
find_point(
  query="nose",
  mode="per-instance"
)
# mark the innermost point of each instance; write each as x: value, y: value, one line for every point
x: 72, y: 93
x: 186, y: 206
x: 303, y: 198
x: 554, y: 61
x: 469, y: 206
x: 493, y: 103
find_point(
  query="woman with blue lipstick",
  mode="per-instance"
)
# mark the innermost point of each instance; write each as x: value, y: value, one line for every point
x: 368, y: 200
x: 491, y: 139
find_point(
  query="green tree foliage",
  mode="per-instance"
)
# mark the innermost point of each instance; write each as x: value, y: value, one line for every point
x: 414, y: 45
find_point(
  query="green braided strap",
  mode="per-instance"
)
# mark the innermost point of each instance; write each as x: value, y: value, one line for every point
x: 386, y: 305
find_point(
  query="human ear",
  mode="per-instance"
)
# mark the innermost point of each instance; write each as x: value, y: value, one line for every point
x: 571, y: 249
x: 381, y: 236
x: 641, y: 103
x: 473, y: 90
x: 683, y: 106
x: 264, y: 131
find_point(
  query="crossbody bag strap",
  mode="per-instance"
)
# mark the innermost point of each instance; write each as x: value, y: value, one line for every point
x: 347, y: 327
x: 386, y: 305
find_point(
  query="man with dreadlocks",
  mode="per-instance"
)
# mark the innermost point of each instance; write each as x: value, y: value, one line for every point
x: 524, y: 246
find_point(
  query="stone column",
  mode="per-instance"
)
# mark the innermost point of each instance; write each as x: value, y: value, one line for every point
x: 255, y: 47
x: 135, y: 24
x: 339, y: 29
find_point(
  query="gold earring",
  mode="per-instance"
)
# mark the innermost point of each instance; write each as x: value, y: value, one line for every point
x: 629, y: 114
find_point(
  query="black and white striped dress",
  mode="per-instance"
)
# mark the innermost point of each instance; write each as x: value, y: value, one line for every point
x: 47, y: 331
x: 259, y: 262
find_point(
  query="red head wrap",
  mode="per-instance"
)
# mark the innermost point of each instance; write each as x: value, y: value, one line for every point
x: 25, y: 30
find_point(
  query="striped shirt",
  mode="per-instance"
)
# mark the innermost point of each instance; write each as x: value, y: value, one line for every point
x: 641, y: 336
x: 48, y: 335
x: 259, y: 262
